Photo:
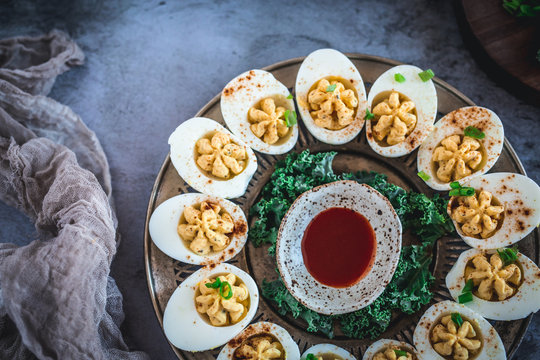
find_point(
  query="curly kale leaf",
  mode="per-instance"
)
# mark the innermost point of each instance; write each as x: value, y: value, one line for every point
x: 409, y: 288
x: 294, y: 175
x: 425, y: 217
x: 286, y: 303
x: 368, y: 322
x: 408, y: 291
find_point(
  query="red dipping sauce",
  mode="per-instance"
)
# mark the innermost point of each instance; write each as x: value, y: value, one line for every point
x: 339, y: 247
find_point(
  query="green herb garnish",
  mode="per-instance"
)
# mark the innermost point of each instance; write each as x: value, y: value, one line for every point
x: 466, y: 294
x: 424, y: 176
x: 222, y: 287
x: 290, y: 118
x: 474, y: 132
x: 399, y: 78
x: 456, y: 318
x: 290, y: 96
x: 465, y: 298
x: 331, y: 88
x: 508, y: 255
x: 400, y: 353
x: 409, y: 288
x: 426, y: 75
x: 468, y: 286
x: 216, y: 284
x: 311, y: 357
x: 522, y: 8
x: 458, y: 190
x: 369, y: 115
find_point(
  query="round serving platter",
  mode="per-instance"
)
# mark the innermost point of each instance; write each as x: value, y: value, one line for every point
x: 164, y: 274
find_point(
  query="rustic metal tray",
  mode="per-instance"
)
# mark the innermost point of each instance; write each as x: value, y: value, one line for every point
x: 164, y: 274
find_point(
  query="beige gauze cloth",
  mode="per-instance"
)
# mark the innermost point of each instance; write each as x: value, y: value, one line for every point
x: 57, y: 300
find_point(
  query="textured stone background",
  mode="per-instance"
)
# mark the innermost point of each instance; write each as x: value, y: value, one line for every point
x: 152, y: 64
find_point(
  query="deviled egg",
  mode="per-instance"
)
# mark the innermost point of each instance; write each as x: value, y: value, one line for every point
x: 327, y: 352
x: 503, y: 209
x: 262, y: 340
x: 331, y: 96
x: 464, y: 144
x: 337, y: 277
x: 450, y: 331
x: 198, y: 229
x: 211, y: 159
x: 506, y: 288
x: 210, y: 307
x: 389, y: 349
x: 260, y: 111
x: 404, y: 107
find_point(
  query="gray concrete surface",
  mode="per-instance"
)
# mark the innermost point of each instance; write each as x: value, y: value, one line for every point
x: 152, y: 64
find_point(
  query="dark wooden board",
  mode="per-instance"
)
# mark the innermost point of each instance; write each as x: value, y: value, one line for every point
x: 504, y: 45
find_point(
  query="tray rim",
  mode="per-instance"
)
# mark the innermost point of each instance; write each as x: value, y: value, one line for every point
x: 284, y: 63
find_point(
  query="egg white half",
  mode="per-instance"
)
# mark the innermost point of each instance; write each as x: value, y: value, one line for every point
x: 521, y: 199
x: 454, y: 123
x: 492, y: 349
x: 164, y: 222
x: 321, y: 349
x: 182, y: 142
x: 185, y: 328
x: 289, y: 346
x: 317, y: 65
x: 523, y: 303
x: 424, y: 96
x: 245, y: 91
x: 383, y: 344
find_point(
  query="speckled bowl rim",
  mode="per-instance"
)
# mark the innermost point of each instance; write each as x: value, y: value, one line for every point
x: 378, y: 285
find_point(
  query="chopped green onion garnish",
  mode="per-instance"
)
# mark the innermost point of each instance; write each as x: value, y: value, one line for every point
x: 473, y: 132
x: 424, y: 176
x: 468, y: 286
x: 369, y: 115
x: 290, y: 96
x: 455, y: 185
x: 311, y: 357
x: 454, y: 192
x: 456, y: 317
x: 331, y: 88
x: 426, y: 75
x: 466, y: 191
x: 290, y: 118
x: 507, y: 255
x: 399, y: 78
x: 222, y: 290
x: 214, y: 285
x: 462, y: 299
x: 458, y: 190
x: 400, y: 353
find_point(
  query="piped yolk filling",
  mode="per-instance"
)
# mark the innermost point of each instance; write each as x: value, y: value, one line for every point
x: 268, y: 121
x: 332, y: 105
x: 395, y: 119
x: 206, y: 229
x: 493, y: 281
x: 218, y: 310
x: 220, y: 156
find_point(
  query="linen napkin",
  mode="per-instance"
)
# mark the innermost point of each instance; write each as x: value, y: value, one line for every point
x: 57, y: 300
